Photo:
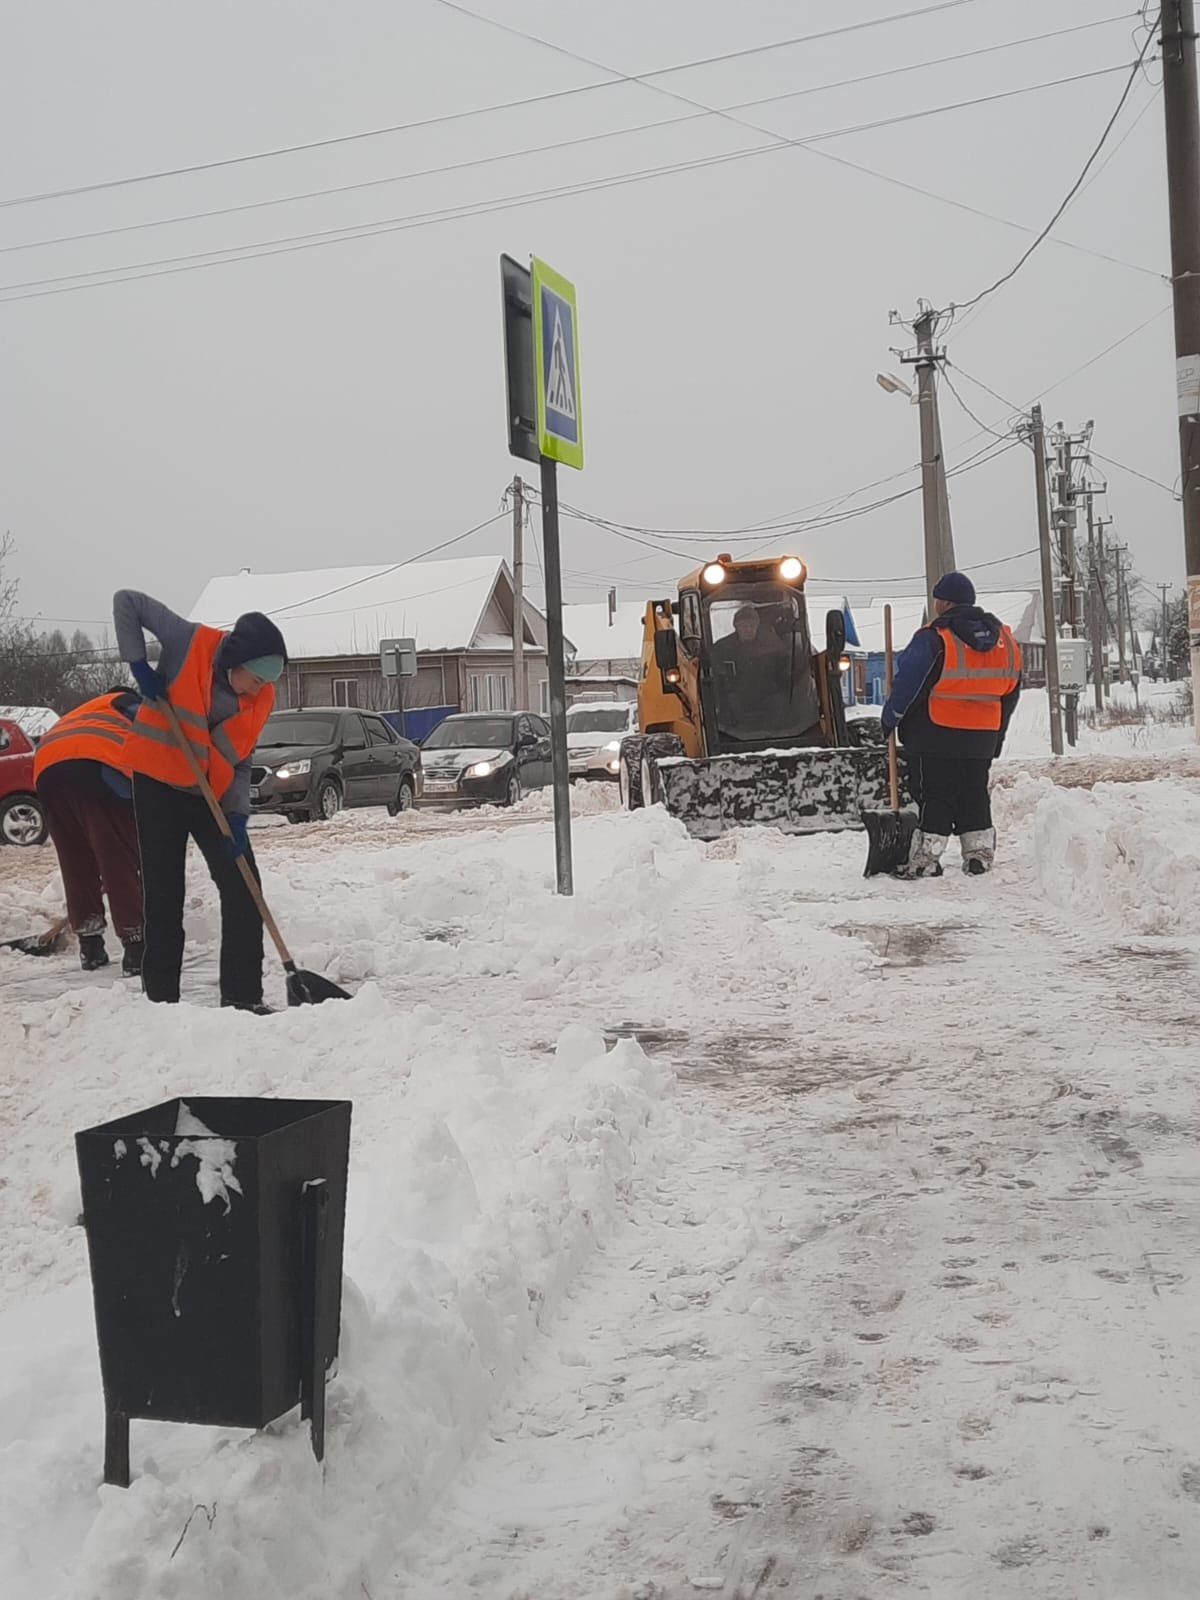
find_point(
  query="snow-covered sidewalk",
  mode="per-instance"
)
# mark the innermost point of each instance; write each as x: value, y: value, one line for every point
x: 860, y: 1264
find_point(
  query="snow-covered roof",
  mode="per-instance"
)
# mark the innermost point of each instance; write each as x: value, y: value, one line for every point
x: 346, y: 611
x: 587, y: 625
x: 1019, y: 609
x: 32, y: 720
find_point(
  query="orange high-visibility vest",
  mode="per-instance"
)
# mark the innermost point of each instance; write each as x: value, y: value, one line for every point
x: 94, y: 731
x: 150, y: 746
x: 973, y: 683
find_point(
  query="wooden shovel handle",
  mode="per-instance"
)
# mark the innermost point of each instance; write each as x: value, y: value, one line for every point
x: 222, y: 822
x: 893, y: 761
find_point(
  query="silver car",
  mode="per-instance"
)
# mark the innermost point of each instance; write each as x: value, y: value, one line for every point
x: 595, y: 729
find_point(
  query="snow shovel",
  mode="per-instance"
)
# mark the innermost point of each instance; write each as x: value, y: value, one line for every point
x: 889, y: 833
x: 303, y: 988
x: 46, y: 943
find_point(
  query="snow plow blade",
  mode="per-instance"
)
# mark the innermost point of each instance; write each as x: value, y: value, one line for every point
x: 797, y: 791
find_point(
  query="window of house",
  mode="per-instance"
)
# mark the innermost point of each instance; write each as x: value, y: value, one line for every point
x: 345, y: 691
x: 489, y: 691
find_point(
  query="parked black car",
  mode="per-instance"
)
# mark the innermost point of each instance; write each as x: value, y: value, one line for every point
x: 485, y: 758
x: 311, y: 762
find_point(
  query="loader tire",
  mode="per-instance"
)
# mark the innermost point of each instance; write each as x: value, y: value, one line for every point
x: 629, y: 773
x: 656, y: 747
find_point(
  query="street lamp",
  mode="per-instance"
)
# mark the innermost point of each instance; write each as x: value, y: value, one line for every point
x: 892, y: 385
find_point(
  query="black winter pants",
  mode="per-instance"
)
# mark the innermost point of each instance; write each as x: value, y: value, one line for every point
x: 952, y: 793
x: 166, y: 819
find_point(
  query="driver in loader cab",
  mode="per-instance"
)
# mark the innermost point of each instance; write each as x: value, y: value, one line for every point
x: 955, y: 690
x: 756, y: 657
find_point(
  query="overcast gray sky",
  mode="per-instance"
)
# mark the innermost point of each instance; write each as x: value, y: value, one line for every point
x: 345, y: 404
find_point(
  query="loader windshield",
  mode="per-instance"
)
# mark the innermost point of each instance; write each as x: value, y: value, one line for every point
x: 761, y: 655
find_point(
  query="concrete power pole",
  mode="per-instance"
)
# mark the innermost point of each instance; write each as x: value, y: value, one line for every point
x: 520, y: 696
x: 935, y: 497
x: 1096, y: 608
x: 1118, y: 553
x: 1037, y: 431
x: 1182, y: 116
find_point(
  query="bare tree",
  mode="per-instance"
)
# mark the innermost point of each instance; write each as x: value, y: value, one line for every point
x: 45, y: 669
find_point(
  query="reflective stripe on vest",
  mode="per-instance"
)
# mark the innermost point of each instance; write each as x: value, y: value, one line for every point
x: 974, y: 682
x: 150, y: 746
x: 94, y: 731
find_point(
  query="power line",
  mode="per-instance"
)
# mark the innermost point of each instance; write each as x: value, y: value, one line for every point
x: 455, y: 116
x: 131, y: 271
x: 513, y: 155
x: 1134, y: 473
x: 965, y: 305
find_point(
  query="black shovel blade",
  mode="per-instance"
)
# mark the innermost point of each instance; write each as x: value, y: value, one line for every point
x: 889, y: 838
x: 310, y: 988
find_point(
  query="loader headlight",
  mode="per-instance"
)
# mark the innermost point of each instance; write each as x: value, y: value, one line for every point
x: 294, y: 769
x: 844, y: 664
x: 714, y: 573
x: 791, y: 568
x: 671, y: 675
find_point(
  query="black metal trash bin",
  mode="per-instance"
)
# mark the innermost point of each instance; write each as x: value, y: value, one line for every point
x: 216, y: 1259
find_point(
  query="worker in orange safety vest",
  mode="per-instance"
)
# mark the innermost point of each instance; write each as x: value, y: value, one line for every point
x: 221, y: 686
x: 86, y: 794
x: 956, y: 686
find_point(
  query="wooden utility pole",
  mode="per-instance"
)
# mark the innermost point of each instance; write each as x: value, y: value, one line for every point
x: 1182, y: 116
x: 1038, y: 432
x: 935, y: 497
x: 520, y: 695
x: 1096, y: 628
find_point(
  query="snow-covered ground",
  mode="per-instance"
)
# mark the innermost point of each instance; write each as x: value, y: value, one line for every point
x: 739, y: 1226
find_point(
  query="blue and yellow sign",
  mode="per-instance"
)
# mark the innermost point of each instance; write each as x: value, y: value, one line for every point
x: 556, y: 367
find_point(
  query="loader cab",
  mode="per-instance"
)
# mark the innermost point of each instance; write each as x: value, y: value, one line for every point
x: 759, y: 685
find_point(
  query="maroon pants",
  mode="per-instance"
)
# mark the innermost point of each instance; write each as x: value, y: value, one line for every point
x: 96, y: 838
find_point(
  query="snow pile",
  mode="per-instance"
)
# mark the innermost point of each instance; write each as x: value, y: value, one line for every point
x: 480, y: 1182
x: 1130, y: 852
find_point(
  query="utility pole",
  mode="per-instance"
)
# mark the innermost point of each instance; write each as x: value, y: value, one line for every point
x: 520, y: 695
x: 1164, y: 659
x: 1105, y: 613
x: 1038, y: 432
x: 1182, y: 117
x: 1118, y: 552
x: 935, y: 497
x: 1096, y: 630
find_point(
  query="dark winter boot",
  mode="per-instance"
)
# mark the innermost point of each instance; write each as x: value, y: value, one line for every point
x: 131, y: 961
x: 92, y: 954
x: 258, y: 1010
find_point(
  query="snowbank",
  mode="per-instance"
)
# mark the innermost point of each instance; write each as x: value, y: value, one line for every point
x: 480, y: 1182
x: 1129, y: 852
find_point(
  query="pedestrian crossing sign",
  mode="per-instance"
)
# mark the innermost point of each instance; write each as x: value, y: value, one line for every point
x: 556, y: 366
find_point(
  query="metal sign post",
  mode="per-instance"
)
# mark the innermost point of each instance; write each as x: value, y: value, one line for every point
x: 398, y: 659
x: 545, y: 424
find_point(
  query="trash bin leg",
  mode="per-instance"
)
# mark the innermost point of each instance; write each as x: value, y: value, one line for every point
x: 313, y: 1318
x: 116, y: 1448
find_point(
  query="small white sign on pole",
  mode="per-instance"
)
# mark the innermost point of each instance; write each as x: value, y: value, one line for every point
x: 398, y: 658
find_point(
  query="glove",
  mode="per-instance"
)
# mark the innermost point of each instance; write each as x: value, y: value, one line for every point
x: 149, y: 680
x: 236, y: 847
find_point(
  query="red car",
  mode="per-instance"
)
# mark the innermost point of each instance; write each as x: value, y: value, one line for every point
x: 22, y: 820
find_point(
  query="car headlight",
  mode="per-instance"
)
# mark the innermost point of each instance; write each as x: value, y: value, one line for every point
x: 294, y: 769
x: 613, y: 744
x: 481, y: 769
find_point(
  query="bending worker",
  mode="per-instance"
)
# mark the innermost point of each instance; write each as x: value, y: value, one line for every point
x: 221, y: 686
x: 955, y: 689
x: 88, y: 801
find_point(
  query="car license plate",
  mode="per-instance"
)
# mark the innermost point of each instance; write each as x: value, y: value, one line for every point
x: 254, y: 791
x: 440, y: 786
